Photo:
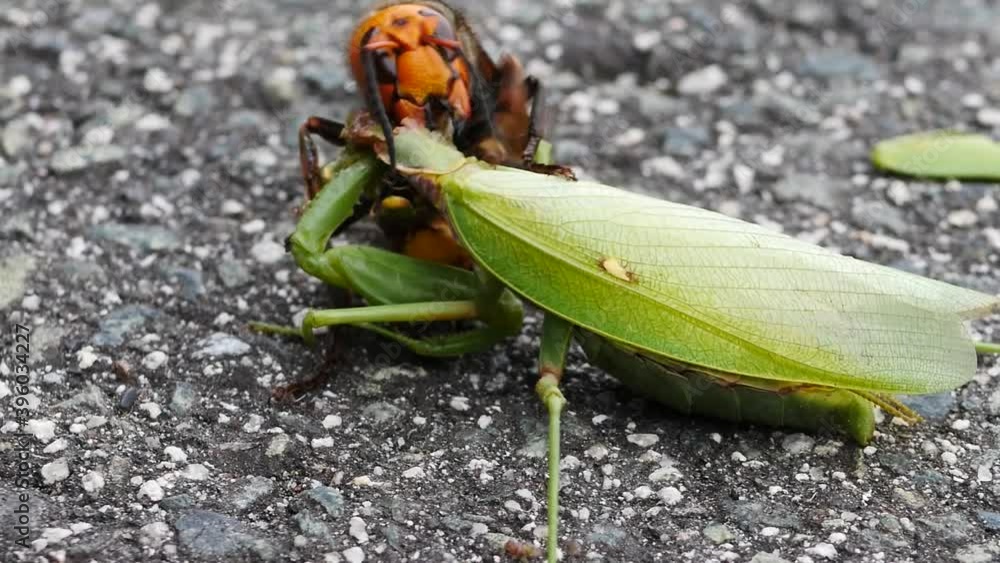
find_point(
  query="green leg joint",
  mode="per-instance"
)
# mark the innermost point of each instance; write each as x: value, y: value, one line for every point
x: 548, y: 391
x: 556, y: 334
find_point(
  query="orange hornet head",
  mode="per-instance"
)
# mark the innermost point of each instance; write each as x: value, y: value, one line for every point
x: 409, y: 63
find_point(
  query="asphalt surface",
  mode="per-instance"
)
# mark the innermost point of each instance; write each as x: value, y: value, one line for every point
x: 148, y: 178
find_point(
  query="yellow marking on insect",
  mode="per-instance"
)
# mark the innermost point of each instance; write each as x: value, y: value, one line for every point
x: 395, y: 202
x: 614, y: 267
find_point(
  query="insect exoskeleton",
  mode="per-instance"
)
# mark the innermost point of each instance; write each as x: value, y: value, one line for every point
x: 422, y: 60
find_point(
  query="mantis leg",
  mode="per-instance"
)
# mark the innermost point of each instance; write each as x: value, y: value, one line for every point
x: 354, y: 175
x: 329, y: 131
x: 556, y: 334
x: 987, y: 348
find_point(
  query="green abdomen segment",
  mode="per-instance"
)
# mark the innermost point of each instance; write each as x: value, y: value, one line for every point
x: 688, y: 389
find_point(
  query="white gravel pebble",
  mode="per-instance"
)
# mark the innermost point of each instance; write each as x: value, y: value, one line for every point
x: 55, y: 471
x: 353, y: 555
x: 597, y: 452
x: 643, y: 492
x: 195, y: 472
x: 157, y: 81
x: 320, y: 443
x: 175, y: 454
x: 837, y: 537
x: 670, y: 495
x: 643, y: 440
x: 460, y: 404
x: 961, y: 424
x: 824, y: 550
x: 31, y: 303
x: 151, y: 490
x: 989, y: 117
x: 93, y: 481
x: 513, y: 506
x: 485, y: 421
x: 153, y: 410
x: 702, y: 81
x: 963, y: 218
x: 797, y: 444
x: 662, y: 166
x: 949, y: 457
x: 769, y: 531
x: 43, y: 430
x: 232, y: 207
x: 359, y: 530
x: 414, y: 473
x: 86, y: 357
x: 155, y: 534
x: 59, y: 445
x: 332, y: 421
x: 267, y: 252
x: 154, y: 360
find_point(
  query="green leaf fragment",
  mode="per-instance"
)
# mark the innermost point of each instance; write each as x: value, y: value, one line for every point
x: 940, y: 154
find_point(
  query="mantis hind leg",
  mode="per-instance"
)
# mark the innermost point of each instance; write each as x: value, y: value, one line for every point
x: 556, y: 335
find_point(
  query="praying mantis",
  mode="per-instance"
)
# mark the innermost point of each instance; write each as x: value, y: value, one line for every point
x: 702, y: 312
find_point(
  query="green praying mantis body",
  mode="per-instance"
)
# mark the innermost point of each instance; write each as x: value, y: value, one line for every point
x: 702, y: 312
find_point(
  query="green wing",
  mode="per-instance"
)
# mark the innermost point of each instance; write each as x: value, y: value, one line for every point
x: 940, y: 154
x: 706, y: 289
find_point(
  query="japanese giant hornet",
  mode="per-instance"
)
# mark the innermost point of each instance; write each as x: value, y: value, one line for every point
x: 420, y: 60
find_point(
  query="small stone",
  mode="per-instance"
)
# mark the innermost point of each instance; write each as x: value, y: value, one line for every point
x: 961, y: 424
x: 765, y: 557
x: 798, y: 444
x: 157, y: 81
x: 909, y: 498
x: 43, y: 430
x: 949, y: 457
x: 662, y: 166
x: 824, y: 550
x: 484, y: 422
x: 643, y: 440
x: 414, y: 473
x: 670, y: 495
x: 353, y: 555
x: 14, y: 274
x: 281, y: 85
x: 330, y: 499
x: 221, y: 345
x: 152, y: 410
x: 154, y: 360
x: 175, y: 454
x: 963, y: 218
x: 325, y: 442
x: 145, y: 238
x: 55, y: 471
x: 358, y: 530
x: 155, y: 534
x: 597, y: 452
x: 86, y: 357
x: 718, y: 533
x: 989, y: 117
x: 703, y: 81
x: 92, y: 481
x: 183, y: 399
x: 151, y: 490
x: 267, y: 252
x: 460, y: 404
x: 332, y: 421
